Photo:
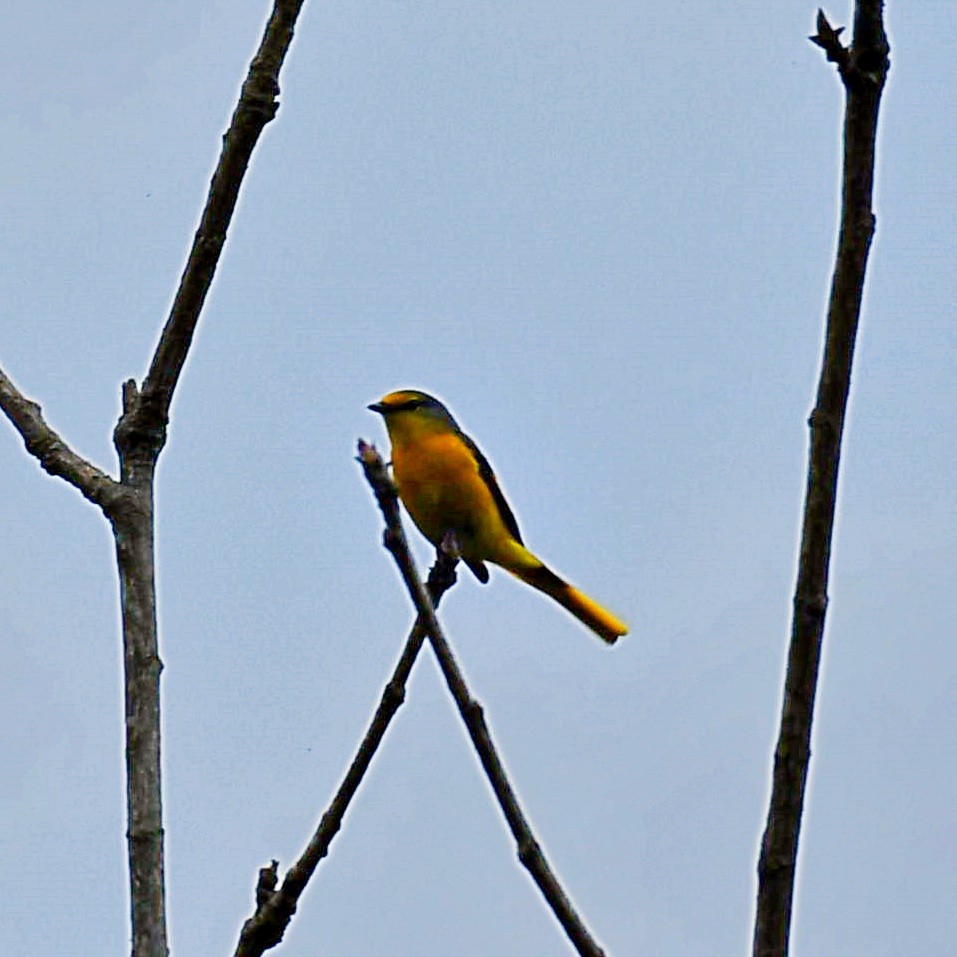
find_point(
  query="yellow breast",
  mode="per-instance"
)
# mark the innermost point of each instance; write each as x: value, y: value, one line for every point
x: 440, y: 485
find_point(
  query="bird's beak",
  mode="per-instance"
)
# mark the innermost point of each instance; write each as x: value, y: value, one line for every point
x: 376, y: 407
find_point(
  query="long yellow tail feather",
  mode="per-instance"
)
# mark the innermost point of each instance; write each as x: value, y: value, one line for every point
x: 602, y: 622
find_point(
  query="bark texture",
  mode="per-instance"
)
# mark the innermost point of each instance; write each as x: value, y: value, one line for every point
x: 863, y: 70
x: 139, y: 438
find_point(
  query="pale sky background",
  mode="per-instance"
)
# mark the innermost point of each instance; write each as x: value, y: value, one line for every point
x: 603, y: 234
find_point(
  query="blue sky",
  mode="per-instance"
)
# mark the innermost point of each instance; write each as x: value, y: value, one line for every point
x: 603, y: 234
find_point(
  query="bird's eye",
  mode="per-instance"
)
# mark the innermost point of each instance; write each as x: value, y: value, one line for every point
x: 409, y: 405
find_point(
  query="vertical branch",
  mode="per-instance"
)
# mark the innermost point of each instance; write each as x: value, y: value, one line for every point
x: 133, y: 531
x: 863, y: 69
x: 142, y: 666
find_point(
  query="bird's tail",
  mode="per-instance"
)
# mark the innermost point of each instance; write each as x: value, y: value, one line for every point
x: 602, y: 622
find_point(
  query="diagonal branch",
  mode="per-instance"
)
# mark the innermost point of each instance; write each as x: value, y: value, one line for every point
x: 863, y: 68
x: 529, y: 850
x: 53, y: 454
x: 257, y: 105
x: 275, y: 907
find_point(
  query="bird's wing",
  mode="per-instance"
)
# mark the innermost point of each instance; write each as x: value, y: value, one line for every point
x: 488, y: 477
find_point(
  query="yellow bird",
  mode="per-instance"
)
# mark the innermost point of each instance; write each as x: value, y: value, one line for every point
x: 446, y: 484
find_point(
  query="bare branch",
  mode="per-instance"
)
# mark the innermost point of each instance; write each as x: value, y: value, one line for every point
x: 135, y: 561
x: 140, y: 436
x: 258, y: 104
x: 275, y: 908
x: 529, y: 850
x: 863, y: 68
x: 53, y: 454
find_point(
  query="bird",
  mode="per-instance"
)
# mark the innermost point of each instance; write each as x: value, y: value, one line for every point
x: 447, y: 485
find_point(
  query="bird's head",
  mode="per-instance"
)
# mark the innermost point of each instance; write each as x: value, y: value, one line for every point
x: 409, y: 409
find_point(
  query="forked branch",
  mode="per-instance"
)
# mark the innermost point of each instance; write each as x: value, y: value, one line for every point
x: 139, y: 437
x: 529, y: 850
x: 275, y: 905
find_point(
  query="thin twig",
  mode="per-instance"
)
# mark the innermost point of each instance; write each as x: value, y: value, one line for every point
x: 529, y: 850
x: 53, y: 454
x: 258, y: 104
x: 276, y: 906
x: 863, y: 69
